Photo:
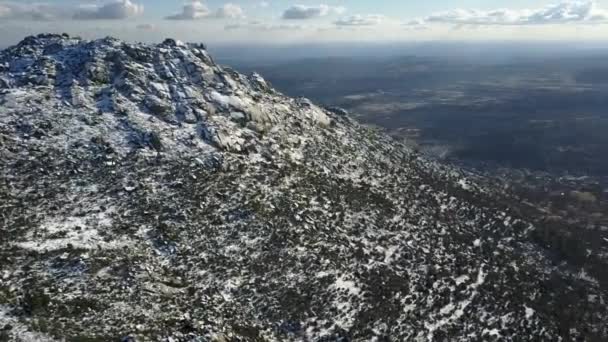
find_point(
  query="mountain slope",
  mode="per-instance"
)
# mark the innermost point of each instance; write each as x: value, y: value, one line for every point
x: 148, y: 192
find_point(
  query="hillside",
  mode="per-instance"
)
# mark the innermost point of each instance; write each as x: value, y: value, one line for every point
x: 149, y: 194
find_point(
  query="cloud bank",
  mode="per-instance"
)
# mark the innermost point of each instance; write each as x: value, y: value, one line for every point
x: 300, y: 12
x: 197, y: 10
x: 33, y: 11
x: 230, y: 11
x: 360, y: 20
x: 121, y: 9
x: 191, y: 11
x: 583, y: 12
x: 256, y: 25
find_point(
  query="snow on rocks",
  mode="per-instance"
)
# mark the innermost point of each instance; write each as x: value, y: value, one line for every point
x: 78, y: 232
x: 146, y: 191
x: 529, y: 312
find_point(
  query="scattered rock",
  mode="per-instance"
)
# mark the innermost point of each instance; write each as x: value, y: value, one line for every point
x: 157, y: 106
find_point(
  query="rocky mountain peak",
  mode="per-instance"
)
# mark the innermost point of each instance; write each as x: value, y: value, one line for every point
x: 160, y: 90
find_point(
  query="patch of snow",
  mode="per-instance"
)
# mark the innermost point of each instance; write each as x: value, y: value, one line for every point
x: 237, y: 115
x: 349, y: 285
x: 493, y: 332
x: 258, y: 78
x: 390, y: 254
x: 79, y: 232
x: 529, y: 312
x: 347, y: 312
x: 227, y: 101
x: 583, y: 275
x: 230, y: 286
x: 462, y: 279
x: 461, y: 306
x: 159, y: 87
x: 19, y: 331
x: 464, y: 184
x: 447, y: 309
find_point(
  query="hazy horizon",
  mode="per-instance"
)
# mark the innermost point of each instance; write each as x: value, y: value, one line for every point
x: 476, y: 51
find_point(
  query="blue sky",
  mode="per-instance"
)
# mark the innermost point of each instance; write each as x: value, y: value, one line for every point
x: 277, y: 21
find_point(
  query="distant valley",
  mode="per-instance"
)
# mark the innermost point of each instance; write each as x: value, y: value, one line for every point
x: 529, y: 113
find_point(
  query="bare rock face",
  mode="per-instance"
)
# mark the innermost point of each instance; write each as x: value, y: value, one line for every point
x: 149, y: 194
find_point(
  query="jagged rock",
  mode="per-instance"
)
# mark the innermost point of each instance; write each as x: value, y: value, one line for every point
x: 149, y: 191
x: 259, y: 82
x: 154, y: 140
x: 157, y: 106
x: 138, y: 53
x: 338, y: 110
x: 52, y: 49
x: 97, y: 73
x: 170, y: 42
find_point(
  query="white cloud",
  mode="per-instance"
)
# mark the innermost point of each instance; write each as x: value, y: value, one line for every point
x: 5, y: 11
x: 584, y: 12
x: 416, y: 25
x: 192, y: 11
x: 197, y: 10
x: 32, y: 11
x: 361, y: 20
x: 230, y: 11
x: 263, y: 4
x: 117, y: 9
x: 121, y: 9
x: 309, y: 12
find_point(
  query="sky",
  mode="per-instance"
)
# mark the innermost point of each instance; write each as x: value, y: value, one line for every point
x: 308, y: 21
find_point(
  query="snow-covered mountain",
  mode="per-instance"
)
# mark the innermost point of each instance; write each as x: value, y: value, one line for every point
x: 149, y: 194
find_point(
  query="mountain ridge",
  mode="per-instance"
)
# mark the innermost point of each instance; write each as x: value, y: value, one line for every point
x: 149, y: 193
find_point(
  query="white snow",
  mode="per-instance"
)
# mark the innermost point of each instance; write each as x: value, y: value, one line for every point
x: 227, y: 100
x: 347, y: 312
x: 391, y: 254
x: 461, y: 279
x: 80, y: 232
x: 464, y: 184
x: 493, y: 332
x: 160, y: 87
x: 583, y: 275
x: 460, y: 307
x: 447, y: 309
x: 529, y: 312
x: 342, y: 283
x: 258, y: 78
x: 19, y: 331
x: 237, y: 115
